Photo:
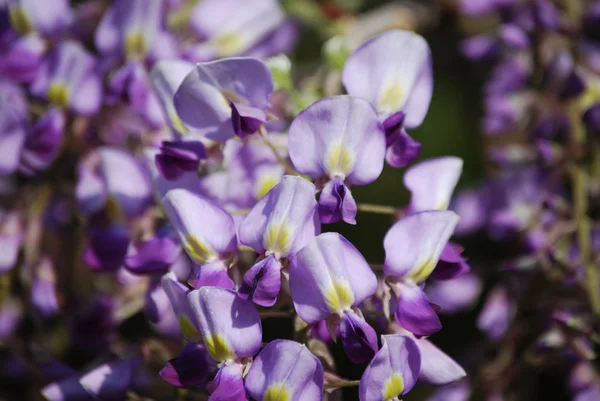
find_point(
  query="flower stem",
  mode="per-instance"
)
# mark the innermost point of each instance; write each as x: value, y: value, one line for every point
x: 378, y: 209
x: 288, y: 168
x: 340, y: 384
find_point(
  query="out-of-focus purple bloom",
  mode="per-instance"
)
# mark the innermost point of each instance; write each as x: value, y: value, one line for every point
x: 46, y: 17
x: 43, y: 142
x: 339, y: 139
x: 217, y: 99
x: 110, y: 177
x: 68, y: 79
x: 153, y: 256
x: 497, y: 314
x: 285, y: 370
x: 432, y: 182
x: 94, y: 326
x: 455, y: 295
x: 11, y: 236
x: 110, y: 381
x: 11, y: 311
x: 192, y: 367
x: 281, y: 40
x: 413, y: 247
x: 230, y: 326
x: 591, y: 119
x: 584, y: 382
x: 44, y: 295
x: 471, y: 207
x: 21, y: 57
x: 459, y: 391
x: 160, y: 313
x: 67, y: 389
x: 14, y: 125
x: 233, y: 27
x: 393, y: 371
x: 451, y: 264
x: 107, y: 248
x: 177, y: 157
x: 207, y: 233
x: 329, y: 277
x: 134, y: 28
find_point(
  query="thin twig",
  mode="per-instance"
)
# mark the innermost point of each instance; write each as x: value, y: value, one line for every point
x: 378, y: 209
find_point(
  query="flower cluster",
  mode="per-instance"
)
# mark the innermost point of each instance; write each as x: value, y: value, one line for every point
x: 168, y: 189
x: 540, y: 206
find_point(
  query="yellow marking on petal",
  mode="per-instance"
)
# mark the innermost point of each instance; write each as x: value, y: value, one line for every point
x: 19, y: 20
x: 198, y: 249
x: 278, y: 238
x: 265, y: 185
x: 277, y: 392
x: 393, y: 386
x: 113, y: 210
x: 135, y: 44
x: 339, y: 160
x: 391, y: 99
x: 442, y: 204
x: 187, y: 328
x: 423, y: 270
x: 339, y: 297
x: 217, y: 347
x: 177, y: 124
x: 58, y: 93
x: 229, y: 44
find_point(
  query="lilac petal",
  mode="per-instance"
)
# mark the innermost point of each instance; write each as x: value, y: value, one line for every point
x: 413, y: 244
x: 166, y: 76
x: 414, y: 312
x: 287, y: 370
x: 320, y: 332
x: 456, y: 295
x: 44, y: 141
x: 211, y: 274
x: 11, y: 237
x: 284, y: 221
x: 110, y: 381
x: 22, y: 61
x: 11, y: 311
x: 161, y: 185
x: 337, y: 203
x: 393, y: 371
x: 205, y: 229
x: 160, y: 313
x: 176, y: 158
x: 358, y: 338
x: 202, y: 100
x: 437, y: 368
x: 44, y: 295
x: 329, y: 276
x: 192, y: 367
x: 281, y: 40
x: 261, y: 284
x: 47, y: 18
x: 153, y: 256
x: 230, y: 326
x: 87, y: 100
x: 496, y: 315
x: 432, y: 182
x: 68, y: 389
x: 451, y: 264
x: 228, y: 384
x: 246, y: 120
x: 398, y: 64
x: 13, y: 125
x: 402, y: 150
x: 392, y: 125
x: 91, y: 191
x: 178, y: 296
x: 338, y: 137
x: 459, y: 391
x: 107, y: 248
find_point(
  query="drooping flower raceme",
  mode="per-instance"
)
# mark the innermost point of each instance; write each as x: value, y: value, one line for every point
x: 393, y: 72
x: 280, y: 224
x: 338, y: 140
x: 224, y: 98
x: 412, y: 249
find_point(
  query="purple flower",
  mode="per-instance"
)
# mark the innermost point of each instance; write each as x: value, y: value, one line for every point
x: 393, y: 371
x: 178, y: 157
x: 455, y: 295
x: 192, y: 367
x: 341, y: 140
x: 107, y: 247
x: 11, y: 237
x: 329, y: 277
x: 112, y: 178
x: 11, y: 311
x: 110, y: 381
x: 68, y: 79
x: 14, y: 125
x: 207, y: 233
x: 459, y: 391
x: 178, y: 297
x: 44, y: 295
x: 285, y: 370
x: 45, y: 17
x: 21, y: 57
x: 413, y: 246
x: 232, y: 27
x: 160, y: 313
x: 496, y: 315
x: 153, y: 256
x: 224, y: 98
x: 43, y: 142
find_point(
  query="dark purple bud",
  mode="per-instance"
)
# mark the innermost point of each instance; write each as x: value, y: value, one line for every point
x: 192, y: 367
x: 43, y: 142
x: 547, y: 15
x: 44, y: 296
x: 228, y: 384
x: 414, y: 311
x: 513, y: 36
x: 451, y: 264
x: 336, y: 203
x: 110, y: 381
x: 212, y: 275
x: 176, y: 158
x: 403, y: 150
x: 246, y: 120
x: 358, y: 338
x: 261, y: 284
x: 154, y: 256
x: 591, y: 22
x: 552, y: 126
x: 392, y: 125
x: 591, y: 119
x: 107, y: 248
x: 480, y: 47
x: 321, y: 332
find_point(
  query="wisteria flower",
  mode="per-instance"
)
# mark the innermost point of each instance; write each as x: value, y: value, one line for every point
x: 47, y: 18
x: 338, y: 140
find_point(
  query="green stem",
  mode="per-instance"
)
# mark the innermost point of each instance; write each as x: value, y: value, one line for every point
x: 378, y: 209
x: 288, y: 168
x: 341, y: 384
